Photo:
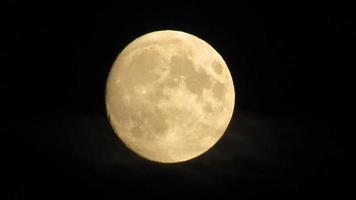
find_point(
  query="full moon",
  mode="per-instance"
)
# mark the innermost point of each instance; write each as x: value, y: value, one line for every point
x: 169, y: 96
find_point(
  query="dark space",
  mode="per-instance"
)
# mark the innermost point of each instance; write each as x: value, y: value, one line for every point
x: 283, y: 141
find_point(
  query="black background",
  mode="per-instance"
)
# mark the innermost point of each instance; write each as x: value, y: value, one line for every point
x: 283, y: 140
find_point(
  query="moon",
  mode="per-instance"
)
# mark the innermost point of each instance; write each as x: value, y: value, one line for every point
x: 169, y: 96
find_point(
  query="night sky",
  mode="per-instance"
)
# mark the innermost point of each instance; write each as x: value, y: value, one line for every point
x: 284, y: 138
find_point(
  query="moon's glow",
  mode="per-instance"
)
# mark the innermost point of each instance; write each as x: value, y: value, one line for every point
x: 169, y: 96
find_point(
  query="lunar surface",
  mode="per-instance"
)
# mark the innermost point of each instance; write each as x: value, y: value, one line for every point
x: 169, y: 96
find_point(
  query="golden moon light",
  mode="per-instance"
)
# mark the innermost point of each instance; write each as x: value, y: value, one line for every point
x: 169, y: 96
